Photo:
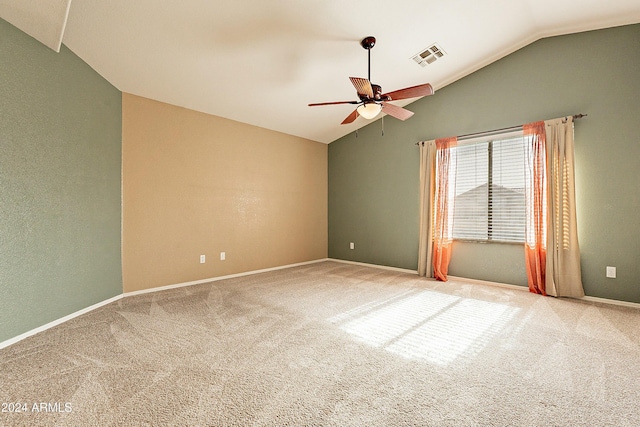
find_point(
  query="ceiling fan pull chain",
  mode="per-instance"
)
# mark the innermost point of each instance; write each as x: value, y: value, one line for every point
x: 356, y: 133
x: 382, y: 120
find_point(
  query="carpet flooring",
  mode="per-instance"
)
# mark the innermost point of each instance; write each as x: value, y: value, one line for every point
x: 330, y: 344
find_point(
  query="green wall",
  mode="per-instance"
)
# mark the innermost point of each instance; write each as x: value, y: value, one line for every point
x: 60, y: 157
x: 373, y: 179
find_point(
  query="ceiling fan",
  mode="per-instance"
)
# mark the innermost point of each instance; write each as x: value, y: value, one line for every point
x: 372, y: 100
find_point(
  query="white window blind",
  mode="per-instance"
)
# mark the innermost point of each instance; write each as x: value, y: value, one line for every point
x: 489, y: 192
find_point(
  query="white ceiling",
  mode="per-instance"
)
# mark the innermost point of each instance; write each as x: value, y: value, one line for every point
x: 262, y: 62
x: 43, y: 20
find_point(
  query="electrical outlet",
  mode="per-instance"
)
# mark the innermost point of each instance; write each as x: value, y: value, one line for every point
x: 223, y: 256
x: 352, y: 245
x: 202, y: 259
x: 611, y: 272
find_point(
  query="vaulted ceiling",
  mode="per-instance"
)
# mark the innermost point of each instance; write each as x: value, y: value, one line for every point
x: 262, y: 62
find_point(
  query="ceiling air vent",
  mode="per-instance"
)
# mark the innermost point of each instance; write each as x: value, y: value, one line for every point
x: 429, y: 55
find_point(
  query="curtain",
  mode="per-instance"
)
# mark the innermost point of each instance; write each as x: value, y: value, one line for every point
x: 427, y: 191
x: 563, y: 275
x: 552, y: 252
x: 536, y: 204
x: 443, y: 206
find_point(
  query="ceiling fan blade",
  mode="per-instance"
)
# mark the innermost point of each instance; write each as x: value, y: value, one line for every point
x: 410, y: 92
x: 334, y: 103
x: 350, y: 118
x: 395, y: 111
x: 363, y: 86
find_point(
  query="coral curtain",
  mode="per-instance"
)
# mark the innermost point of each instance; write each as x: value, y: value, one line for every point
x: 552, y: 251
x: 443, y: 206
x: 563, y: 274
x: 536, y: 206
x: 427, y: 192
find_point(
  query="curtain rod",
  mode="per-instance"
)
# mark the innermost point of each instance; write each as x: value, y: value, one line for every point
x: 510, y: 128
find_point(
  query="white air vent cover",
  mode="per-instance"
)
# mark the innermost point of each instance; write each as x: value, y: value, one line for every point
x: 429, y: 55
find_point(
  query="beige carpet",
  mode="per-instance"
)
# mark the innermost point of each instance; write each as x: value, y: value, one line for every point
x: 331, y: 344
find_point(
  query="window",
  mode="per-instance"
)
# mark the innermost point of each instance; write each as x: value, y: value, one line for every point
x: 489, y: 191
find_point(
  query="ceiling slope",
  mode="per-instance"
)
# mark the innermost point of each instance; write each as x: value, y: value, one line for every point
x: 43, y: 20
x: 261, y: 63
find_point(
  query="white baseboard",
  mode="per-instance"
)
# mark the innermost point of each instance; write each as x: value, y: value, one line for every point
x: 56, y: 322
x: 383, y: 267
x: 215, y: 279
x: 611, y: 301
x: 488, y: 283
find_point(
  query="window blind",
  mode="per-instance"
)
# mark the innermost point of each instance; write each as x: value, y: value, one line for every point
x: 489, y: 191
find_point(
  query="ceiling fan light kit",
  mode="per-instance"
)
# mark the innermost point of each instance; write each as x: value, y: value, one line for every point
x: 372, y: 100
x: 369, y: 111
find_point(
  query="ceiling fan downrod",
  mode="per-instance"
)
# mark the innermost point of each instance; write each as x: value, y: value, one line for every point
x: 368, y: 43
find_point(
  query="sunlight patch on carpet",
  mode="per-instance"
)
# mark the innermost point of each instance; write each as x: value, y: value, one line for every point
x: 431, y: 326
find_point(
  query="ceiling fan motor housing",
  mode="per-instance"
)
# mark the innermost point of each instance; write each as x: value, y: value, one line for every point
x: 377, y: 93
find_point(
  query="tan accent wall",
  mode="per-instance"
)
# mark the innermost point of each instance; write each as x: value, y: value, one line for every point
x: 196, y: 184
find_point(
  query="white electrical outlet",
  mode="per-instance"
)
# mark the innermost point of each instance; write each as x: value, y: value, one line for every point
x: 223, y: 256
x: 352, y: 245
x: 611, y: 272
x: 202, y: 259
